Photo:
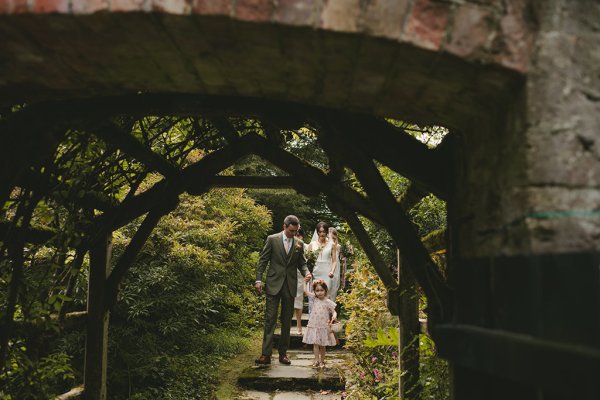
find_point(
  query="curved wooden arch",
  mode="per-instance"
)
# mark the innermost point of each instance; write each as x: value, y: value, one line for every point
x: 93, y: 116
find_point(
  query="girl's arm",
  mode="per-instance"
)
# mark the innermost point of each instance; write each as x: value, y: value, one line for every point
x: 333, y: 316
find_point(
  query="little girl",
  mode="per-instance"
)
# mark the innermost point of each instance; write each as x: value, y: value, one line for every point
x: 318, y: 332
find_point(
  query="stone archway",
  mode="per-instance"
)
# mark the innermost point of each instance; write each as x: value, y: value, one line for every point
x: 514, y: 80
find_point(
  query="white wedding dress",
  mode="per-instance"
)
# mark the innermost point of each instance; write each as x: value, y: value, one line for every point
x: 323, y: 266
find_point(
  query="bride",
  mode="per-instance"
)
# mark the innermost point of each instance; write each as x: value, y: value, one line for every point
x: 326, y: 262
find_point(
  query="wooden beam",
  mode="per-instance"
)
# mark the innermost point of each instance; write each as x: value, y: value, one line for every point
x: 132, y: 250
x: 74, y: 394
x: 569, y: 371
x: 225, y: 128
x: 392, y: 147
x: 409, y: 330
x: 403, y: 233
x: 194, y: 179
x: 311, y: 179
x: 96, y: 340
x: 368, y: 246
x: 8, y: 233
x: 412, y: 196
x: 113, y: 134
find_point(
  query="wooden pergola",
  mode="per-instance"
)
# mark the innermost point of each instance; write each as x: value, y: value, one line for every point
x: 349, y: 140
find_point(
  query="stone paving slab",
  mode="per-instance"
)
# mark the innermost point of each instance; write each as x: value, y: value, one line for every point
x: 298, y: 376
x: 290, y: 395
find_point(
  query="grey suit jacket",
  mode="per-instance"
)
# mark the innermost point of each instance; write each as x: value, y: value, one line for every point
x: 282, y: 266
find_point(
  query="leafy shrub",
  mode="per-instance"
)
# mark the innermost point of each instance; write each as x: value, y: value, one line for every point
x: 31, y: 380
x: 187, y: 302
x: 372, y: 337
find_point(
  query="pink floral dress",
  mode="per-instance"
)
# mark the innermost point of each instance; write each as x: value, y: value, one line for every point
x: 317, y: 329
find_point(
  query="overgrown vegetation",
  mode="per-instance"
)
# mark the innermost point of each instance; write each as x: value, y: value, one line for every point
x: 372, y: 332
x: 185, y: 306
x: 371, y: 335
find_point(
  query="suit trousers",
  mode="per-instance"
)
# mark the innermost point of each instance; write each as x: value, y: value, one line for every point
x: 287, y: 310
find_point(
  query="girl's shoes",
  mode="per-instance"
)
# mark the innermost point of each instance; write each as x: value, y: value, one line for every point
x: 321, y: 364
x: 315, y: 364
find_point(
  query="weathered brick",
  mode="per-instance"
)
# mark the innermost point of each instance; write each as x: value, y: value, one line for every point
x: 472, y: 32
x: 385, y: 17
x: 127, y: 5
x: 13, y: 6
x: 172, y: 6
x: 427, y: 24
x: 51, y: 6
x: 295, y: 12
x: 212, y: 7
x: 341, y: 15
x: 518, y: 36
x: 90, y: 6
x: 254, y: 10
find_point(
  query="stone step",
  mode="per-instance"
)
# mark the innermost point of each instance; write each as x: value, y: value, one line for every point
x: 296, y: 339
x: 290, y: 395
x: 296, y: 377
x: 303, y: 321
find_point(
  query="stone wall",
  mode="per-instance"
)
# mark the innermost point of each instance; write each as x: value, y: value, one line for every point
x: 525, y: 225
x: 424, y: 60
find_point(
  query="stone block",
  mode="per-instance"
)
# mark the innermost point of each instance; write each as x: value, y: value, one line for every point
x: 296, y: 12
x: 212, y: 7
x: 472, y: 32
x: 127, y: 5
x: 89, y: 7
x: 340, y: 15
x: 51, y: 6
x: 385, y: 17
x: 13, y: 6
x: 427, y: 24
x: 254, y: 10
x: 182, y: 7
x: 514, y: 44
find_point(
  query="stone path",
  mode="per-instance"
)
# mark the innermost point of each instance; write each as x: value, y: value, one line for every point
x: 297, y: 381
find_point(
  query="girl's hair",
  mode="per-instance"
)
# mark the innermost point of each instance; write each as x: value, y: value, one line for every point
x: 333, y: 234
x: 320, y: 283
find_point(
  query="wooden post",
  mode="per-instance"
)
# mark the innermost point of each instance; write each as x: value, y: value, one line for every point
x: 409, y: 329
x: 96, y: 341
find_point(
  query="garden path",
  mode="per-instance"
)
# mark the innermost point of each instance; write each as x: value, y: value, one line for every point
x: 298, y: 381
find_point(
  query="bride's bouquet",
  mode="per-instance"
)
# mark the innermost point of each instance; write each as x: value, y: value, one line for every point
x: 311, y: 259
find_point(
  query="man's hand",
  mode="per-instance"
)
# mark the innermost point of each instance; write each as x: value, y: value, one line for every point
x: 259, y: 287
x: 307, y: 277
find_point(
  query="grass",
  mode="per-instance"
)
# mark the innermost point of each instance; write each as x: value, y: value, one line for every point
x: 230, y: 369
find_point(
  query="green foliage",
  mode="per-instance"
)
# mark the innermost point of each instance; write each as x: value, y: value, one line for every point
x: 428, y: 215
x: 31, y: 380
x: 372, y: 336
x: 187, y: 302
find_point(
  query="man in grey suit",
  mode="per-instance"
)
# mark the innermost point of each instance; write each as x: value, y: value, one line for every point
x: 285, y: 254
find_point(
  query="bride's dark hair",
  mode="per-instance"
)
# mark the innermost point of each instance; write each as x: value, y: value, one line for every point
x: 322, y: 225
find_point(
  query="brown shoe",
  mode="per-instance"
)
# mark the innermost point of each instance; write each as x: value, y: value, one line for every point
x: 263, y: 360
x: 284, y: 359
